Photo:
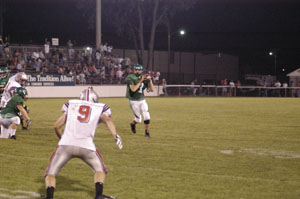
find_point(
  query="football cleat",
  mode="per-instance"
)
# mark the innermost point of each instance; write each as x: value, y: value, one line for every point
x: 132, y: 126
x: 13, y: 137
x: 105, y: 197
x: 147, y: 134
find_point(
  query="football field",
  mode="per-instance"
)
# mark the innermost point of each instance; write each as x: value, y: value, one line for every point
x: 200, y: 148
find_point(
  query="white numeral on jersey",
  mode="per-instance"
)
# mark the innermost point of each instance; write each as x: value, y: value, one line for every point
x: 141, y: 88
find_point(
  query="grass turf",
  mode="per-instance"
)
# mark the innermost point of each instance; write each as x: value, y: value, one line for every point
x: 208, y: 148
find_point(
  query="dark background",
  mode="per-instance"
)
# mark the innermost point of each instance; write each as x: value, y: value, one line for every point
x: 246, y: 28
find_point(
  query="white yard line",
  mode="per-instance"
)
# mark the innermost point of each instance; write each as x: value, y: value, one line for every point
x: 25, y: 194
x: 264, y: 152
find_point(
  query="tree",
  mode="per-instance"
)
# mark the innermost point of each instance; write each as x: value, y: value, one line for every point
x: 143, y: 16
x: 138, y: 20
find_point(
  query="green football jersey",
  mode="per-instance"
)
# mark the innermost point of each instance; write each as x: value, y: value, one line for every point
x: 3, y: 83
x: 11, y: 109
x: 138, y: 95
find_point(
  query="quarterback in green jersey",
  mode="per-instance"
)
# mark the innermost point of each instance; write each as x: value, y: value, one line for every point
x: 10, y: 113
x: 136, y: 84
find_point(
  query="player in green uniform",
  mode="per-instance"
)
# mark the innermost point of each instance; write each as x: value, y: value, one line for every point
x: 10, y: 112
x: 136, y: 84
x: 3, y: 79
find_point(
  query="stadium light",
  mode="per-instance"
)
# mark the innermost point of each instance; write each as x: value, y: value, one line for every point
x: 181, y: 32
x: 274, y: 53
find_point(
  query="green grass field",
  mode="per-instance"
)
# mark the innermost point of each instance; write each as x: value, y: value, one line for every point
x: 201, y: 148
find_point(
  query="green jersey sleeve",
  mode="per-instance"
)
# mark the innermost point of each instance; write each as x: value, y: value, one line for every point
x: 11, y: 109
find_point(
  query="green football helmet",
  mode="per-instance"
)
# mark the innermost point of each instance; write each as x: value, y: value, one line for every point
x: 138, y: 67
x: 3, y: 72
x: 21, y: 92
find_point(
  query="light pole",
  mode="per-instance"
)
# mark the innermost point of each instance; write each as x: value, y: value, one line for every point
x: 274, y: 53
x: 181, y: 32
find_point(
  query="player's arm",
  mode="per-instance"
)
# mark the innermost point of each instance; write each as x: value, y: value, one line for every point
x: 151, y: 88
x: 111, y: 127
x: 59, y: 124
x: 135, y: 87
x: 23, y: 112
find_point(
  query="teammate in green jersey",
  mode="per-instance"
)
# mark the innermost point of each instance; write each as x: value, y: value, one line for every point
x: 10, y: 112
x: 136, y: 84
x: 3, y: 78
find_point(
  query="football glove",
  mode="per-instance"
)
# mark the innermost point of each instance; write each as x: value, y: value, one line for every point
x: 28, y: 122
x: 119, y: 141
x: 26, y: 108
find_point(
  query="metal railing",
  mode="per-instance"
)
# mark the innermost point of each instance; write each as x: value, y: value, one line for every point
x: 227, y: 91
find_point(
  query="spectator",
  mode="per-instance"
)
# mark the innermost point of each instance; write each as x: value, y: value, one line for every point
x: 119, y: 75
x: 70, y: 49
x: 98, y: 57
x: 82, y: 78
x: 224, y: 90
x: 37, y: 65
x: 164, y: 85
x: 193, y: 87
x: 232, y: 87
x: 46, y: 48
x: 156, y: 77
x: 6, y: 47
x: 1, y: 46
x: 277, y: 85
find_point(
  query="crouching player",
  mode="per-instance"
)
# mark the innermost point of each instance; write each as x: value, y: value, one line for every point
x: 9, y: 118
x: 81, y: 118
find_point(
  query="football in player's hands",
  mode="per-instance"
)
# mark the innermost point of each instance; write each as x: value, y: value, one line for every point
x: 147, y: 77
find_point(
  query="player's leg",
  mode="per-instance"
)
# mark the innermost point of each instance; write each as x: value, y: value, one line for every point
x: 58, y: 159
x: 5, y: 122
x: 13, y: 127
x: 95, y: 161
x: 146, y: 116
x: 135, y: 107
x: 4, y: 132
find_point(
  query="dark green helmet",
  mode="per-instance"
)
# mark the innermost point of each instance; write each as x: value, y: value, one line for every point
x: 4, y: 70
x: 21, y: 92
x: 138, y: 67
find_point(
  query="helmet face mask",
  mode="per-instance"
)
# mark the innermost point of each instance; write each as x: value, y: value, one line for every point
x: 138, y: 69
x: 89, y: 95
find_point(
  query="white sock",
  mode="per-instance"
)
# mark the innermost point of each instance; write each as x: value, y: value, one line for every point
x: 13, y: 132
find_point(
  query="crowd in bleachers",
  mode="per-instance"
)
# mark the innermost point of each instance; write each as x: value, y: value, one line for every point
x: 88, y: 65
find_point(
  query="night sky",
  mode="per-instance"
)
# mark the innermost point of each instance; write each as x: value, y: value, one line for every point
x: 246, y: 28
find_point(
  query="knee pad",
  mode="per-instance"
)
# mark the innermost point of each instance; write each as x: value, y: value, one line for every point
x: 146, y: 121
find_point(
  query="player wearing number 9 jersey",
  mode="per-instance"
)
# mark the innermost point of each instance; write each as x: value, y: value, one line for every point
x: 136, y: 84
x: 81, y: 118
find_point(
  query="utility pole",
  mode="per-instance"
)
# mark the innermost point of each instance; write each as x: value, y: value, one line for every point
x: 98, y: 24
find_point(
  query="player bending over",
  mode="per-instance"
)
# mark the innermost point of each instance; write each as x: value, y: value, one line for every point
x: 81, y: 118
x: 9, y: 118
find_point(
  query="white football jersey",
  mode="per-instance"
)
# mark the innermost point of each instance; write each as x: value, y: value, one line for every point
x: 81, y: 123
x: 9, y: 91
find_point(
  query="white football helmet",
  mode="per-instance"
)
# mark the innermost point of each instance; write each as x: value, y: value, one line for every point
x: 21, y: 78
x: 89, y: 95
